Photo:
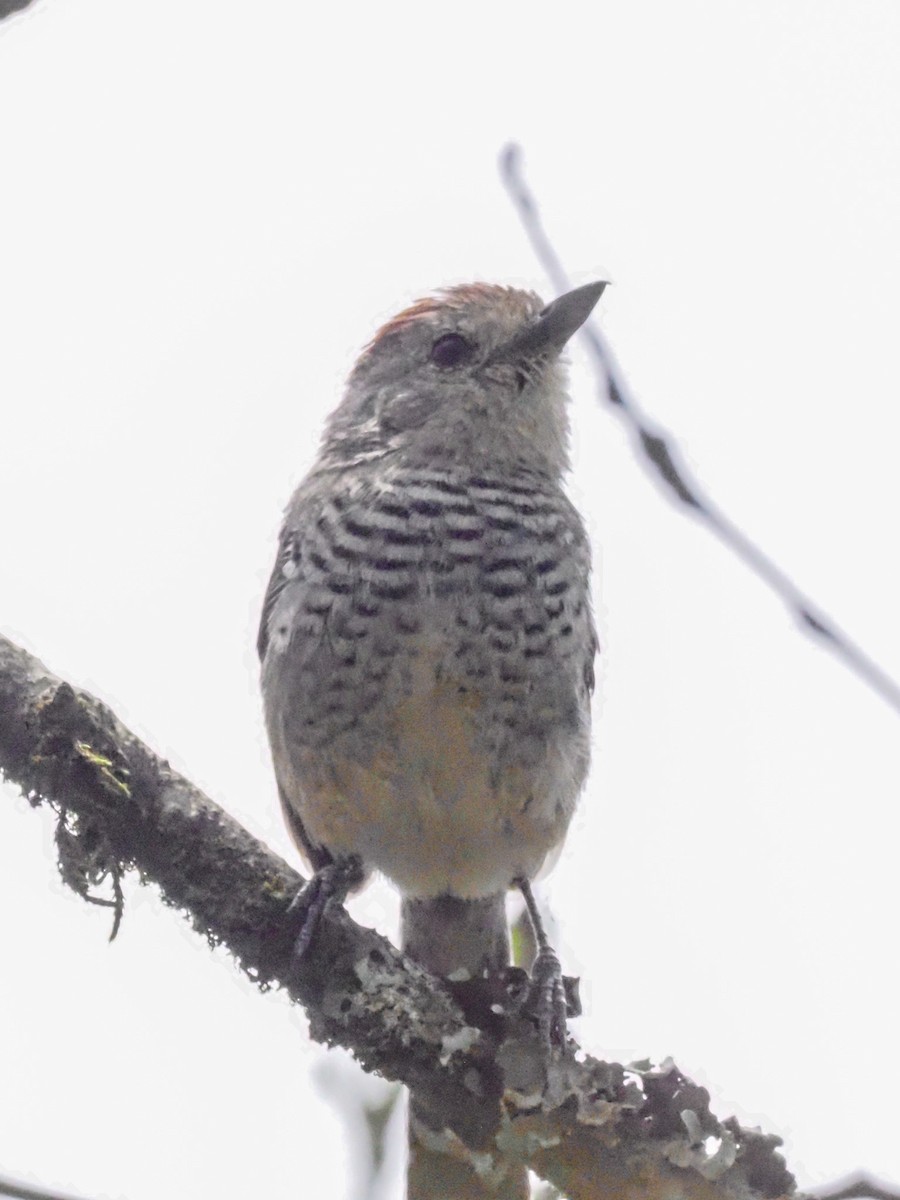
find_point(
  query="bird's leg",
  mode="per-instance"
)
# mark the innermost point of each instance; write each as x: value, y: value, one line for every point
x: 545, y: 1001
x: 333, y: 880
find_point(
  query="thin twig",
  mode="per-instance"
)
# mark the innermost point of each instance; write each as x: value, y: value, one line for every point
x: 17, y: 1189
x: 7, y: 8
x: 858, y: 1186
x: 661, y: 452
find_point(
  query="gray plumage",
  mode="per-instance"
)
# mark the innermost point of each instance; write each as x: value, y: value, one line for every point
x: 427, y: 642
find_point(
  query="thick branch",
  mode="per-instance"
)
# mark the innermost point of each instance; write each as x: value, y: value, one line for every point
x: 593, y: 1129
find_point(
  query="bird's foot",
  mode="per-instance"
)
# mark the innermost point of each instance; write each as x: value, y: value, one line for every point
x: 551, y: 997
x: 331, y: 882
x: 545, y: 1001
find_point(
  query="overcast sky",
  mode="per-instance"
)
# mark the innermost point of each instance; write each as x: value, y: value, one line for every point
x: 206, y: 209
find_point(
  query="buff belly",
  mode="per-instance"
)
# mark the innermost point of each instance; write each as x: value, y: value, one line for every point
x: 421, y: 797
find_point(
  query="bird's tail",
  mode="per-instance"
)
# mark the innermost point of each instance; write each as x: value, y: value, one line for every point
x: 448, y: 935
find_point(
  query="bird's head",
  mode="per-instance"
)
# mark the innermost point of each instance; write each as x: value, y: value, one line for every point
x: 473, y: 372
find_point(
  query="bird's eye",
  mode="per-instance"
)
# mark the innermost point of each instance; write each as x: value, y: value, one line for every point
x: 451, y: 350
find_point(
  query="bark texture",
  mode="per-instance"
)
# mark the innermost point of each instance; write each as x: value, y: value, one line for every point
x: 591, y: 1128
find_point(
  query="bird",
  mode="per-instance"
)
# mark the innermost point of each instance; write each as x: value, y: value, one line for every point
x: 427, y: 642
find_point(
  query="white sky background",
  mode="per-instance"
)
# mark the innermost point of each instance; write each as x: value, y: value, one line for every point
x: 206, y: 208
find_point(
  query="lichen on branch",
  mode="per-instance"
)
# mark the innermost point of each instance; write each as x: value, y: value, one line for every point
x: 592, y: 1129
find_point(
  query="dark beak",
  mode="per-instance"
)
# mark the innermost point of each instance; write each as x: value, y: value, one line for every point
x: 556, y: 324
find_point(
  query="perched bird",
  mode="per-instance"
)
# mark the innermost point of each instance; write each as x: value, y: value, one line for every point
x: 427, y: 642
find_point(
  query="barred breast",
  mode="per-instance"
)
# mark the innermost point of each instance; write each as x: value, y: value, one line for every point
x: 428, y: 653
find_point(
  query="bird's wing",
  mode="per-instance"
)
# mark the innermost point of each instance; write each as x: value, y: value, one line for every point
x: 286, y: 565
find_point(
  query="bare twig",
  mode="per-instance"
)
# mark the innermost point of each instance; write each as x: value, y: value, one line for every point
x: 659, y: 450
x: 17, y: 1189
x: 858, y: 1186
x: 7, y: 8
x: 593, y: 1129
